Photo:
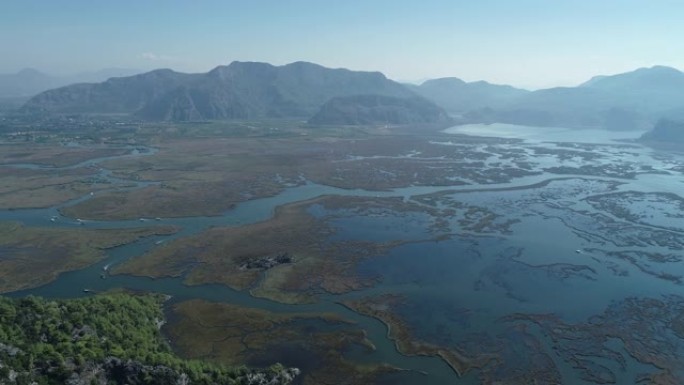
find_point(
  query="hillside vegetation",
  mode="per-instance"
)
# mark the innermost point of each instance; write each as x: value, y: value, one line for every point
x: 378, y: 109
x: 103, y: 339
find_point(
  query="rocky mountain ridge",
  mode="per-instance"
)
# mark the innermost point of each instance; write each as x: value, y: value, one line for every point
x: 251, y: 90
x: 241, y: 90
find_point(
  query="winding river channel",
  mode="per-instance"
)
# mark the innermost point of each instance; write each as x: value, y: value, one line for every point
x: 507, y: 288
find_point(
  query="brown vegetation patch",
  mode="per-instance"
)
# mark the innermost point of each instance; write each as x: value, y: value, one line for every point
x: 200, y: 176
x: 36, y: 256
x: 236, y: 335
x: 219, y: 255
x: 53, y: 154
x: 31, y: 188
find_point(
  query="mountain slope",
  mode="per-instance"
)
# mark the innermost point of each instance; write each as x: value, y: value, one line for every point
x: 241, y: 90
x: 656, y: 77
x: 26, y: 82
x: 29, y: 82
x: 457, y: 96
x: 651, y: 90
x: 116, y: 95
x: 378, y: 109
x: 666, y: 131
x: 632, y: 100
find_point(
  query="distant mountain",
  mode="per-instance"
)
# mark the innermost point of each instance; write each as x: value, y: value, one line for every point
x: 26, y: 82
x: 379, y: 109
x: 649, y: 90
x: 633, y: 100
x: 593, y: 80
x: 249, y: 90
x: 458, y: 96
x: 656, y: 78
x: 29, y: 82
x: 241, y: 90
x: 561, y: 106
x: 99, y: 75
x: 116, y: 95
x: 666, y: 131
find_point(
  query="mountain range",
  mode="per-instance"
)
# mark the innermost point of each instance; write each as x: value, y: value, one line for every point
x: 249, y: 90
x: 458, y: 96
x: 241, y: 90
x: 632, y: 100
x: 29, y: 82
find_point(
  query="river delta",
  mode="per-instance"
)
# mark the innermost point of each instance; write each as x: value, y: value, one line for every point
x: 371, y: 256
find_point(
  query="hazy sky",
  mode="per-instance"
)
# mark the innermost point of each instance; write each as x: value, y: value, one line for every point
x: 527, y: 43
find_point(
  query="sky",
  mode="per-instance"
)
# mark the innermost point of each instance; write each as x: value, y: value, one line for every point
x: 526, y: 43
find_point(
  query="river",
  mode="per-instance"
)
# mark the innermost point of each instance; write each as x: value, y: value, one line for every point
x: 464, y: 284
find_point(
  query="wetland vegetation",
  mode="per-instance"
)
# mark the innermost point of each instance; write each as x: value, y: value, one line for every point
x: 434, y: 234
x: 316, y: 343
x: 109, y: 338
x: 33, y: 256
x: 171, y: 214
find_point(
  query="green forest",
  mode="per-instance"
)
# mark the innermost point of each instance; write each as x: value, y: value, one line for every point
x: 111, y: 338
